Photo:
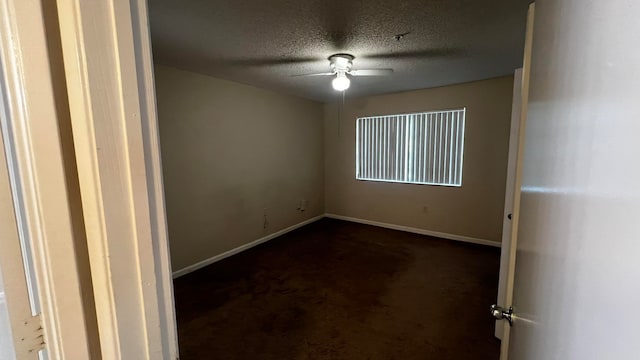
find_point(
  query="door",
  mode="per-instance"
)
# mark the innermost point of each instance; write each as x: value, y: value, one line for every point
x: 577, y: 274
x: 514, y: 180
x: 512, y: 191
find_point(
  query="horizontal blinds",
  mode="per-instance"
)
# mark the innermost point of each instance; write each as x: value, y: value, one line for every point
x: 420, y: 148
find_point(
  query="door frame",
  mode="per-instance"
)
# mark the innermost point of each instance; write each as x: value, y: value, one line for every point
x: 109, y: 72
x: 39, y: 230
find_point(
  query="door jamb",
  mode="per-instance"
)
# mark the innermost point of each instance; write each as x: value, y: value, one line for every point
x: 35, y: 124
x: 153, y: 164
x: 107, y: 59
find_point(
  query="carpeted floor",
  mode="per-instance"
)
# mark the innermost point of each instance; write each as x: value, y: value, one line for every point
x: 339, y: 290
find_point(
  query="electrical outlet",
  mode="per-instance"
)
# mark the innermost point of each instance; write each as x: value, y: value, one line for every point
x: 302, y: 205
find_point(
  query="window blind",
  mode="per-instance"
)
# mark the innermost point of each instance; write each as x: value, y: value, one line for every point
x: 420, y: 148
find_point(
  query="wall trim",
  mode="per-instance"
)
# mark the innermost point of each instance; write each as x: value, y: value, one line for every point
x: 241, y: 248
x: 438, y: 234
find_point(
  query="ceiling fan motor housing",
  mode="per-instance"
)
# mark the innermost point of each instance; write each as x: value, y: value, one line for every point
x: 341, y: 63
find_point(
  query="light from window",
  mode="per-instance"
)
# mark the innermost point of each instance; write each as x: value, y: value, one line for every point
x: 421, y: 148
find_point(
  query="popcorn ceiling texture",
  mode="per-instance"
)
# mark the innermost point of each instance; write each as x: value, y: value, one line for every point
x: 263, y: 43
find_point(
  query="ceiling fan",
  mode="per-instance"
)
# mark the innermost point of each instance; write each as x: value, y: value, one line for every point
x: 341, y: 65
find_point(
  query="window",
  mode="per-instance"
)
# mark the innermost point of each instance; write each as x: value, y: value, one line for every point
x: 421, y: 148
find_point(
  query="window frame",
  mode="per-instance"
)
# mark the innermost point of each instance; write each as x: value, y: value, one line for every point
x: 462, y: 146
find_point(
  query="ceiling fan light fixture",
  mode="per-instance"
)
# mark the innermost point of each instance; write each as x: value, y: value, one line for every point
x: 341, y: 82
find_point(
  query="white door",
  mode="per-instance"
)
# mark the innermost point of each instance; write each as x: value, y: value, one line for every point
x: 512, y: 191
x: 577, y: 276
x: 514, y: 181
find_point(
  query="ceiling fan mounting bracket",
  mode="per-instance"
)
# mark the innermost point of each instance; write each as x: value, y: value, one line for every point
x: 341, y: 63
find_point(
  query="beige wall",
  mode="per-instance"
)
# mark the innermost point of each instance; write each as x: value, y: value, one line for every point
x: 474, y: 210
x: 229, y: 151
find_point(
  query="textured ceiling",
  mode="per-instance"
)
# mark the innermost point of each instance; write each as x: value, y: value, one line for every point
x: 265, y: 42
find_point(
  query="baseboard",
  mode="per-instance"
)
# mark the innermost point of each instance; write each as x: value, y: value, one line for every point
x: 226, y: 254
x: 463, y: 238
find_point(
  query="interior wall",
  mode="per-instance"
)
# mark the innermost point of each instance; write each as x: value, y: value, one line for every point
x: 473, y: 210
x: 232, y: 156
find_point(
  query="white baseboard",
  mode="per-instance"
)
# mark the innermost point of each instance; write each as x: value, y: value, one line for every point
x: 417, y: 231
x: 226, y: 254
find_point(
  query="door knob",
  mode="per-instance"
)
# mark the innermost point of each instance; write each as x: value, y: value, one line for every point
x: 502, y: 314
x: 509, y: 216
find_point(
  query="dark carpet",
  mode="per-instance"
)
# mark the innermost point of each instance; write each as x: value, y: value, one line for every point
x: 339, y: 290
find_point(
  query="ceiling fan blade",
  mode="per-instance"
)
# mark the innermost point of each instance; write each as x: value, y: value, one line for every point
x: 315, y: 74
x: 371, y: 72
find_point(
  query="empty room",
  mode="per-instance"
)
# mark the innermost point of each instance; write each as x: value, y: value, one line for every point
x: 337, y: 174
x: 331, y: 180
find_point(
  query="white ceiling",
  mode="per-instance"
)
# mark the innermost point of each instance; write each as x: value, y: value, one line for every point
x: 264, y: 43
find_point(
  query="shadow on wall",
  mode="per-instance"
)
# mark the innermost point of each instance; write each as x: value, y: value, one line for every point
x: 232, y: 156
